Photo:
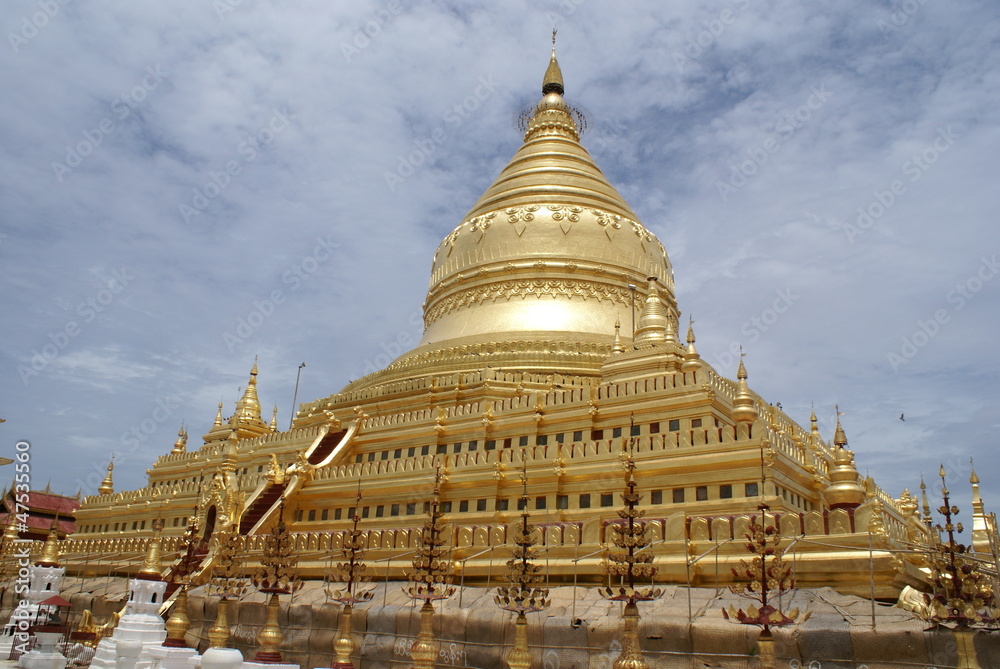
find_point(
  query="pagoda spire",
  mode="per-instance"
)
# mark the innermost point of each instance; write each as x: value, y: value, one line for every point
x: 248, y: 406
x: 553, y: 81
x: 839, y: 438
x: 654, y: 319
x: 980, y: 522
x: 218, y: 416
x: 925, y: 505
x: 844, y: 491
x: 552, y: 116
x: 744, y: 407
x: 180, y: 446
x: 107, y: 486
x: 274, y: 419
x: 692, y: 360
x: 617, y: 346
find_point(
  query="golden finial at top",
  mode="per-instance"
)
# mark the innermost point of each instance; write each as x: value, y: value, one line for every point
x: 741, y: 371
x: 553, y: 81
x: 839, y: 436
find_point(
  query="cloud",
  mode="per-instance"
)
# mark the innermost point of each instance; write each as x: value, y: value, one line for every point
x: 190, y: 94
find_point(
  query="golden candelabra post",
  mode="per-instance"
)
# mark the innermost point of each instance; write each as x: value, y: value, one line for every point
x: 277, y: 575
x: 632, y: 561
x: 227, y: 583
x: 963, y: 596
x: 430, y: 579
x: 523, y: 595
x: 767, y: 577
x: 351, y: 572
x: 179, y: 623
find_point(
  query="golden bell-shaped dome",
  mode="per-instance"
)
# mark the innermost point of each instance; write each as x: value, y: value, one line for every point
x: 543, y: 260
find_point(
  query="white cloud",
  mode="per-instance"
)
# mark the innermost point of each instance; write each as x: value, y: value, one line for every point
x: 678, y: 131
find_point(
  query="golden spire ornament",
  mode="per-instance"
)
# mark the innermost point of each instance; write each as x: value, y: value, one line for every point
x: 107, y: 486
x: 430, y: 579
x: 352, y: 574
x: 50, y: 551
x: 180, y: 446
x: 524, y: 594
x: 277, y: 575
x: 631, y: 562
x: 227, y: 582
x: 152, y: 568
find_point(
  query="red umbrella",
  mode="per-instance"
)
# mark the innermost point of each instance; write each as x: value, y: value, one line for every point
x: 55, y: 600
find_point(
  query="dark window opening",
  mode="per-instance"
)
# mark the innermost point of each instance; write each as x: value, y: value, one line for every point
x: 480, y: 505
x: 463, y: 506
x: 725, y: 491
x: 501, y: 505
x: 562, y: 501
x: 674, y: 425
x: 656, y: 497
x: 750, y: 489
x: 654, y: 428
x: 696, y: 422
x: 540, y: 502
x: 635, y: 430
x: 616, y: 432
x: 597, y: 435
x: 394, y: 510
x: 585, y: 501
x: 701, y: 493
x: 542, y: 440
x: 607, y: 499
x: 678, y: 495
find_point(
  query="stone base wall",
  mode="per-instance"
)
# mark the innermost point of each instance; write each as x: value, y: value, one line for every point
x: 579, y: 631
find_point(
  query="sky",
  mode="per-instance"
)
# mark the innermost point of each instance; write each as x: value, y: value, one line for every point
x: 186, y: 186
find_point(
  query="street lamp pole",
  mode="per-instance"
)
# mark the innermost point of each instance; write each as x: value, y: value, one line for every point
x: 295, y: 397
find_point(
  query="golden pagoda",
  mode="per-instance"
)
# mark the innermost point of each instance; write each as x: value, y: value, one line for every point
x: 523, y: 357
